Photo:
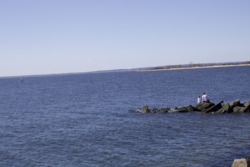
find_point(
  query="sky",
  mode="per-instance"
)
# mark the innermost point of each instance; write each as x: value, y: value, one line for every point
x: 68, y: 36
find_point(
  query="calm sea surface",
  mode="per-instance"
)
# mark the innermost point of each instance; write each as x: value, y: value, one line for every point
x: 85, y: 119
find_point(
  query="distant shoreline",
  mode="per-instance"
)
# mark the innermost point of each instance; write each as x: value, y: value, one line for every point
x: 159, y: 68
x: 182, y: 67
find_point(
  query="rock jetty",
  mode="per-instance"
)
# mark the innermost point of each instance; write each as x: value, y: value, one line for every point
x: 207, y: 107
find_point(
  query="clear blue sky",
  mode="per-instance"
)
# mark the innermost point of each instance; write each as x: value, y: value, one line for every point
x: 63, y: 36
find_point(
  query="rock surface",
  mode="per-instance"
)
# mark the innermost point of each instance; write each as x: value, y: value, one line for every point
x: 234, y: 103
x: 164, y: 110
x: 206, y: 107
x: 203, y: 106
x: 144, y: 109
x: 225, y: 108
x: 187, y: 109
x: 213, y: 108
x: 241, y: 163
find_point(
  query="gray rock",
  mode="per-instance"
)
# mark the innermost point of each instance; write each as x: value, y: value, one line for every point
x: 234, y: 103
x: 145, y: 109
x: 154, y: 110
x: 240, y: 163
x: 247, y: 105
x: 239, y: 109
x: 225, y: 108
x: 187, y: 109
x: 213, y: 108
x: 182, y: 109
x: 175, y: 108
x: 203, y: 106
x: 164, y: 110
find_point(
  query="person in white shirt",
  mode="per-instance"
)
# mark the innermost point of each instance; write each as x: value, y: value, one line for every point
x: 204, y: 97
x: 199, y: 100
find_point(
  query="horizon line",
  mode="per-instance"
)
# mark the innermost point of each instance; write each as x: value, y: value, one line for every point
x: 152, y: 68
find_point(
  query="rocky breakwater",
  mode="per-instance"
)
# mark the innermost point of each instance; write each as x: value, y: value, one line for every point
x: 207, y: 107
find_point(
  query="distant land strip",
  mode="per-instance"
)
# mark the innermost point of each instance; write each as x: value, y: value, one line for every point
x: 193, y: 66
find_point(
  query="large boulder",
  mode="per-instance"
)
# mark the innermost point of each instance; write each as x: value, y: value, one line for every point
x: 154, y: 110
x: 145, y: 109
x: 238, y: 109
x: 240, y: 163
x: 164, y: 110
x: 187, y: 109
x: 213, y: 108
x: 247, y: 105
x: 225, y: 108
x: 235, y: 103
x: 203, y: 106
x: 241, y: 108
x: 182, y: 109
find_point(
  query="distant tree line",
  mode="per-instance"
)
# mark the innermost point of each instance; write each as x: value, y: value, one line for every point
x: 191, y: 65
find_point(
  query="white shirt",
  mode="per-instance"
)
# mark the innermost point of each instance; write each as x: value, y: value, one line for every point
x: 199, y: 100
x: 204, y: 97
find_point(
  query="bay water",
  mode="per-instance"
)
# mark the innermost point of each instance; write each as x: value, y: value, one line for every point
x: 87, y: 120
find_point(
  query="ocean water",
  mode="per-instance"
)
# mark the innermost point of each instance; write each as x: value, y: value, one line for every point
x: 86, y: 119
